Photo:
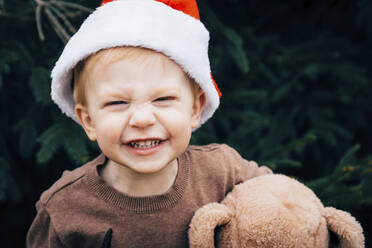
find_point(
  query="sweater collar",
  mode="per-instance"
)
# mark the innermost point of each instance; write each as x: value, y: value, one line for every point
x: 139, y: 204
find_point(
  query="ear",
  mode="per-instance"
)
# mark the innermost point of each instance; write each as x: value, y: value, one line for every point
x: 345, y: 226
x: 197, y: 109
x: 205, y: 220
x: 86, y: 121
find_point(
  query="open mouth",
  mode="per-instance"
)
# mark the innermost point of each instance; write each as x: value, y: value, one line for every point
x: 144, y: 144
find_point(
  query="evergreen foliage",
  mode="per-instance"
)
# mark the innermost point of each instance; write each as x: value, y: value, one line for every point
x: 296, y: 91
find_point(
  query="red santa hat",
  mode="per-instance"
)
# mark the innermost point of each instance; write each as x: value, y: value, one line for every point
x: 172, y: 27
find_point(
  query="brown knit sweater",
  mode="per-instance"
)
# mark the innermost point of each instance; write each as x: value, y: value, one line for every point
x: 80, y: 210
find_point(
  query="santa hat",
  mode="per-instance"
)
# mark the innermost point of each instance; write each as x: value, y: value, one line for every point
x: 172, y: 27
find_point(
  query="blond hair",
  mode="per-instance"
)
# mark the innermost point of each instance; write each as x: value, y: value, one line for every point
x: 105, y: 57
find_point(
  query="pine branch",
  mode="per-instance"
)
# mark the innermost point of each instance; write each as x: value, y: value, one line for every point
x: 65, y: 135
x: 51, y: 140
x: 27, y: 136
x: 39, y: 84
x: 74, y: 144
x: 293, y: 146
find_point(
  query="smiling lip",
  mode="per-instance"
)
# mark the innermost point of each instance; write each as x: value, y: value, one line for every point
x: 144, y: 150
x: 143, y: 139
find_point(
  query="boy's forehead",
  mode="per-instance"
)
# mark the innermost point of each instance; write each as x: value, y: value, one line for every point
x: 143, y: 56
x: 128, y: 88
x: 126, y: 73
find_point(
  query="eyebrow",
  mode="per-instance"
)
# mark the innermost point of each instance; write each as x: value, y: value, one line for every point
x: 161, y: 90
x: 126, y: 93
x: 115, y: 93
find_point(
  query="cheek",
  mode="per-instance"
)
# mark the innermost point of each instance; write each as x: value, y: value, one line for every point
x: 178, y: 123
x: 179, y: 116
x: 109, y: 128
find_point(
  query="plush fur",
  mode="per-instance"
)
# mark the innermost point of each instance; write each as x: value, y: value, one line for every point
x: 144, y: 23
x: 272, y: 211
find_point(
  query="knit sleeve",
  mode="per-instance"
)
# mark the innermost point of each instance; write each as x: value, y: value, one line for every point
x: 245, y: 169
x: 250, y: 169
x: 42, y: 233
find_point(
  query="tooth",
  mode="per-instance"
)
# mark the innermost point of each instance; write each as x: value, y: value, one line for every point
x: 144, y: 143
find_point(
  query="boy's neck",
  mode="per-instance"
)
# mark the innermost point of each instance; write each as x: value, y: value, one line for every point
x: 139, y: 185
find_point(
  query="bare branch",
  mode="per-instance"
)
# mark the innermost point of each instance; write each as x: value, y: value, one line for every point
x: 64, y: 19
x: 58, y: 14
x: 2, y: 6
x: 41, y: 3
x: 61, y: 32
x: 38, y: 22
x: 72, y: 5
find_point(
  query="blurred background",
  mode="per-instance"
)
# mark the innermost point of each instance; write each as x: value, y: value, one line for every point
x: 297, y: 96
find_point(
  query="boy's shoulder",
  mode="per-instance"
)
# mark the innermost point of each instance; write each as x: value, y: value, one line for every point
x: 214, y: 155
x: 214, y: 151
x: 222, y: 160
x: 69, y: 178
x: 210, y: 147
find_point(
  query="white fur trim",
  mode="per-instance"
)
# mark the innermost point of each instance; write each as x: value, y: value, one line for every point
x: 145, y: 23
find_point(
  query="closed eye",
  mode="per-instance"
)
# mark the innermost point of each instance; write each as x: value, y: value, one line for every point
x: 116, y: 103
x: 165, y: 98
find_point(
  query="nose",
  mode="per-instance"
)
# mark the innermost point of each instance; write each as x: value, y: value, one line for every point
x: 142, y: 116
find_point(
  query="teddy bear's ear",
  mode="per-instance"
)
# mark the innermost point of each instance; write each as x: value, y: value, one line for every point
x: 345, y: 226
x: 205, y: 220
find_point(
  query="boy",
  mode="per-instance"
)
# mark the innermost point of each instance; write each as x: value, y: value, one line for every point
x: 141, y: 84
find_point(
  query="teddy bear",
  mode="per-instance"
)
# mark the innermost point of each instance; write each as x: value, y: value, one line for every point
x: 272, y: 211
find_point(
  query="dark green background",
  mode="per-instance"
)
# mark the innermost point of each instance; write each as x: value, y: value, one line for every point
x: 296, y: 91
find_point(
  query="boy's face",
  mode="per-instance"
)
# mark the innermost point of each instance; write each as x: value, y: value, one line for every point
x: 141, y: 115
